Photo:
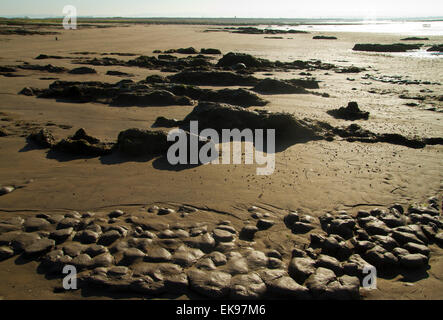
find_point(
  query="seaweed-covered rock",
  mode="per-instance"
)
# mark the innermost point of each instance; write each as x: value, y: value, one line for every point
x: 351, y: 112
x: 142, y: 142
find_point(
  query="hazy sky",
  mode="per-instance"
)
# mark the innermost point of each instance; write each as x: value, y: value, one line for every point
x: 227, y: 8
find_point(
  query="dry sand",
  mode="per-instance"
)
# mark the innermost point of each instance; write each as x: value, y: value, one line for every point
x: 314, y: 178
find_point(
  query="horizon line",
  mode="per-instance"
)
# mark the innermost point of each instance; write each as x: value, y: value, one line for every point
x: 234, y: 17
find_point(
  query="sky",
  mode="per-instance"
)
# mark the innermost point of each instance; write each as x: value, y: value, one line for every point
x: 227, y: 8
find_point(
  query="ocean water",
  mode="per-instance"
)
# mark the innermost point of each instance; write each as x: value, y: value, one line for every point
x: 407, y: 28
x: 403, y: 29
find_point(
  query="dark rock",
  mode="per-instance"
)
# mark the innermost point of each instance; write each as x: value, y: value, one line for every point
x: 83, y: 70
x: 274, y: 86
x: 136, y: 142
x: 301, y: 268
x: 301, y: 227
x: 342, y: 227
x: 247, y: 286
x: 212, y: 284
x: 42, y: 138
x: 231, y: 59
x: 118, y: 73
x: 436, y: 48
x: 68, y: 223
x: 158, y: 255
x: 36, y: 224
x: 83, y: 144
x: 286, y: 287
x: 414, y: 39
x: 405, y: 237
x: 47, y: 68
x: 109, y: 237
x: 413, y: 261
x: 210, y: 51
x: 377, y: 227
x: 213, y: 78
x: 39, y: 247
x: 329, y: 262
x: 152, y: 98
x: 397, y: 47
x: 323, y: 284
x: 221, y: 116
x: 417, y: 248
x: 104, y: 260
x: 351, y: 112
x: 239, y: 97
x: 264, y: 224
x: 6, y: 253
x: 87, y: 237
x: 222, y: 235
x: 61, y: 235
x: 248, y: 233
x: 324, y: 38
x: 189, y: 50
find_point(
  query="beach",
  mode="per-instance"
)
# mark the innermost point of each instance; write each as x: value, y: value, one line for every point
x: 313, y: 178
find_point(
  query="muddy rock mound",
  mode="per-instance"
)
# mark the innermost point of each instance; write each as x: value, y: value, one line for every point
x: 274, y: 86
x: 351, y: 112
x: 223, y: 116
x: 396, y: 47
x: 137, y: 142
x: 231, y: 59
x: 215, y: 78
x: 83, y: 144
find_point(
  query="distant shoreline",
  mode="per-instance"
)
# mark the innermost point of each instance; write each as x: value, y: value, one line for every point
x: 213, y: 21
